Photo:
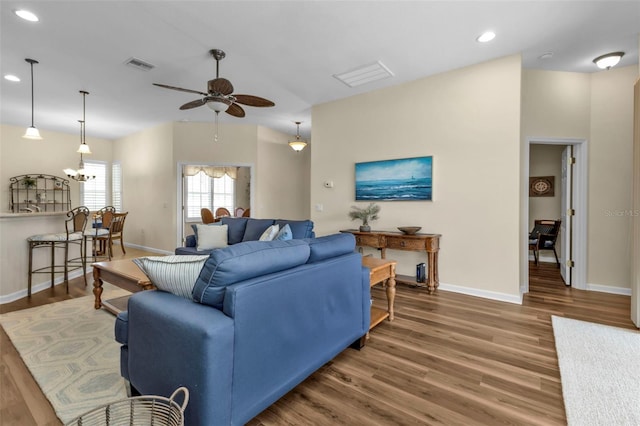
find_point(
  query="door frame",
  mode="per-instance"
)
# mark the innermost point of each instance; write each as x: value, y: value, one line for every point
x: 580, y: 186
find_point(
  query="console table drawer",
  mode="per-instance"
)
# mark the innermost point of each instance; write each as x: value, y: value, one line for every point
x: 368, y: 240
x: 403, y: 243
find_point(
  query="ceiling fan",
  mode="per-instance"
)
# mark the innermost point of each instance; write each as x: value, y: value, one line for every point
x: 219, y: 96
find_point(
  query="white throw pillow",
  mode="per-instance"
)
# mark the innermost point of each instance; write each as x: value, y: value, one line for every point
x: 270, y: 233
x: 212, y: 237
x: 175, y: 274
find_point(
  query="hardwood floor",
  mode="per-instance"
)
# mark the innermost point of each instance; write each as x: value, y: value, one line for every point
x: 446, y: 359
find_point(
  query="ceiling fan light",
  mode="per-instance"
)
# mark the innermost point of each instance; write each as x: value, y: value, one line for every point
x: 84, y: 149
x: 218, y: 106
x: 609, y: 60
x: 32, y: 133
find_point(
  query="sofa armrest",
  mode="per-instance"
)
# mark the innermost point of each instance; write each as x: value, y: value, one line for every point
x: 176, y: 342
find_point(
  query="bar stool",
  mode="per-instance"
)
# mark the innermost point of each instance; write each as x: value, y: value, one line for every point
x: 74, y: 226
x: 99, y: 230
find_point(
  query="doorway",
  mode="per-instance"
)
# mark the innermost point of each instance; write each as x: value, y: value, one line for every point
x: 570, y: 204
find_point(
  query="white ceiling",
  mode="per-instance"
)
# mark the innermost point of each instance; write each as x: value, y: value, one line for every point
x: 285, y: 51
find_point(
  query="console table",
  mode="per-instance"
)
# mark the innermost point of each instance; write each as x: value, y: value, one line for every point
x: 384, y: 240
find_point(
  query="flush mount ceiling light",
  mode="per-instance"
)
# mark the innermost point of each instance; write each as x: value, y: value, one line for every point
x: 486, y: 36
x: 12, y: 77
x: 26, y: 15
x: 298, y: 144
x: 32, y: 131
x: 609, y: 60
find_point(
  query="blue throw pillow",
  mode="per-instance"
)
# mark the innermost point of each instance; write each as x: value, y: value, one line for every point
x: 236, y: 228
x: 243, y: 261
x: 330, y: 246
x: 299, y: 228
x: 284, y: 234
x: 255, y: 228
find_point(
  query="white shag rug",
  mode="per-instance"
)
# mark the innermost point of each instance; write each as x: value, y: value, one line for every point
x: 600, y: 372
x: 70, y: 349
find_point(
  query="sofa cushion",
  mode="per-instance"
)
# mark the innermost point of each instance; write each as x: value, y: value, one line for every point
x: 299, y: 228
x: 255, y: 228
x: 284, y: 234
x: 211, y: 237
x: 244, y: 261
x: 236, y: 226
x: 189, y: 251
x: 330, y: 246
x: 173, y: 274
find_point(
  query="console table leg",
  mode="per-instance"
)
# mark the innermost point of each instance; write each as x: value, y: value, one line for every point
x: 432, y: 258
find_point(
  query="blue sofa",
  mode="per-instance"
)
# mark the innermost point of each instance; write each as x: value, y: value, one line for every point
x: 264, y: 316
x: 241, y: 229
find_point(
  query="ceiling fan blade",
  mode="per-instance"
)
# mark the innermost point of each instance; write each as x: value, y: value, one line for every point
x: 194, y: 104
x: 180, y: 89
x: 220, y: 85
x: 235, y: 110
x: 253, y: 101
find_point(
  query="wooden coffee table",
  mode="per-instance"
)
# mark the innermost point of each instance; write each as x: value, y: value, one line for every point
x: 122, y: 273
x: 381, y: 271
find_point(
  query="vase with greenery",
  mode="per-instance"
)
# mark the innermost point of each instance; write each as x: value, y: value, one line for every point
x: 365, y: 214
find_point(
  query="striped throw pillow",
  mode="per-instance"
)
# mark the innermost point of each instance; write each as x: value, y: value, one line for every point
x: 175, y: 274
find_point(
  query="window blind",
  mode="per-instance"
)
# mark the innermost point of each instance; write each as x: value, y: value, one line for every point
x: 93, y: 193
x: 116, y: 186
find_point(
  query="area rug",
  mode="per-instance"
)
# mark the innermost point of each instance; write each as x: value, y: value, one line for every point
x: 600, y: 372
x: 70, y: 350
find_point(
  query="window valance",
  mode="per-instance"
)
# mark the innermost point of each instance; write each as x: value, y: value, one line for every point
x: 214, y: 172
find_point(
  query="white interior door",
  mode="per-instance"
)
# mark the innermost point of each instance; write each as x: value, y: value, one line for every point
x: 566, y: 207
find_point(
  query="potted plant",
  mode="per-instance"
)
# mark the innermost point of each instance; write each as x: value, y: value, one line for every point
x: 365, y: 214
x: 29, y: 182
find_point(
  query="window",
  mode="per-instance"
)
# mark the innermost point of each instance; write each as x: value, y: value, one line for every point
x: 93, y: 193
x: 116, y: 186
x: 212, y: 193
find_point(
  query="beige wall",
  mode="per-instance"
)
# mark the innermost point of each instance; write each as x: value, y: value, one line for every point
x: 469, y: 120
x: 284, y: 176
x: 610, y: 177
x: 598, y: 108
x: 55, y: 152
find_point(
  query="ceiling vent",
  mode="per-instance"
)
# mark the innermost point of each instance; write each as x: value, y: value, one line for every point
x: 139, y: 64
x: 364, y: 74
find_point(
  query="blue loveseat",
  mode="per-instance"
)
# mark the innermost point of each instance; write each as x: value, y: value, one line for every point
x: 263, y: 317
x: 242, y: 229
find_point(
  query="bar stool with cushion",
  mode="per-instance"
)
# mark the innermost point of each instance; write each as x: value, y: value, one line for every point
x: 100, y: 228
x: 75, y: 224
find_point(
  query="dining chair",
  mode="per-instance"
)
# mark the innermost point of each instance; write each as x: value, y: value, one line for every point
x: 221, y: 212
x: 116, y: 230
x: 99, y: 228
x: 206, y: 215
x: 543, y: 237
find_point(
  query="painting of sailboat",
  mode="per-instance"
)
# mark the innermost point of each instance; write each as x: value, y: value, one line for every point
x: 407, y: 179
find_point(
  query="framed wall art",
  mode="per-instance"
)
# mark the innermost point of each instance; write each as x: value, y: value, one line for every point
x: 541, y: 186
x: 407, y: 179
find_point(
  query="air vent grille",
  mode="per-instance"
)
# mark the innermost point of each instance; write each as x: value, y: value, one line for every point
x: 364, y: 74
x: 139, y: 64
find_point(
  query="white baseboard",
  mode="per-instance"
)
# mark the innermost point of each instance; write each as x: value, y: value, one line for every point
x: 43, y: 286
x: 151, y: 249
x: 609, y: 289
x: 502, y: 297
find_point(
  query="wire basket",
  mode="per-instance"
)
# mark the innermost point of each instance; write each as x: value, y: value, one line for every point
x: 138, y: 410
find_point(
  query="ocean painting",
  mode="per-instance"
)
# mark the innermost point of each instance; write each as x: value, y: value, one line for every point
x: 407, y: 179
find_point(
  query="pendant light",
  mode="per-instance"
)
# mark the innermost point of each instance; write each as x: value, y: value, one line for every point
x: 298, y: 144
x: 80, y: 174
x: 32, y: 131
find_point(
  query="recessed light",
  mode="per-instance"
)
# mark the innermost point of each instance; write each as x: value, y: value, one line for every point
x: 26, y: 15
x: 11, y: 77
x: 486, y: 37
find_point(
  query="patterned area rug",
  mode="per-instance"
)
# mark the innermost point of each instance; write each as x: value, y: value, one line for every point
x: 600, y: 372
x: 70, y: 350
